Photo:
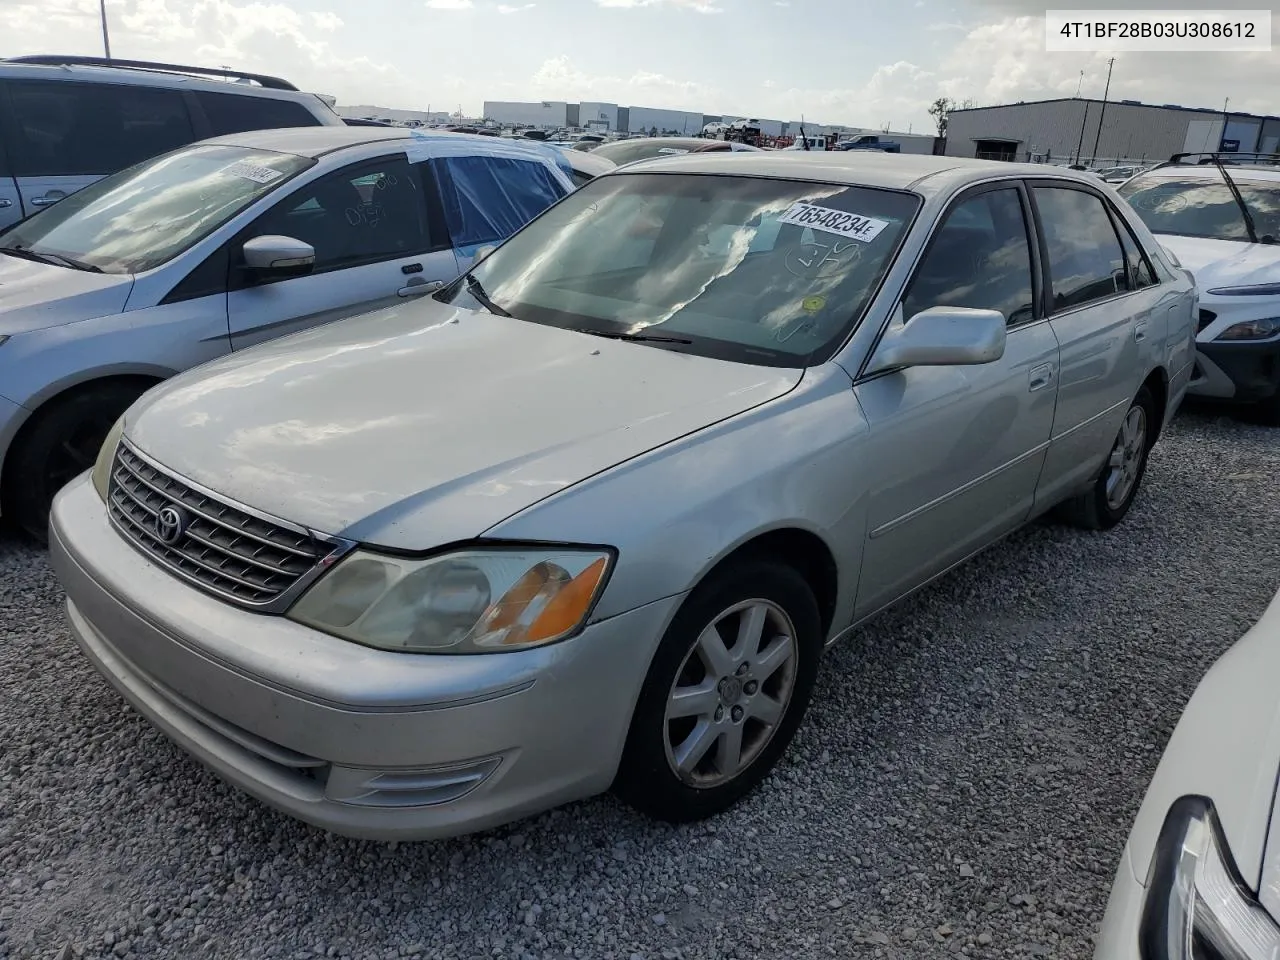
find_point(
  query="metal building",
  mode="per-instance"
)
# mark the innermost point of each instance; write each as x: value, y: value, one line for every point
x: 1094, y: 131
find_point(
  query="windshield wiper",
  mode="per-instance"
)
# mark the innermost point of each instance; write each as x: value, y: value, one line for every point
x: 476, y: 289
x: 1235, y: 192
x: 55, y: 258
x: 636, y: 337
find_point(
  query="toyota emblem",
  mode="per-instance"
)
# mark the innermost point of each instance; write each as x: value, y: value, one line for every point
x: 171, y: 524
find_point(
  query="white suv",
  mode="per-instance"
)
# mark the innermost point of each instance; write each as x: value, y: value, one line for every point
x: 67, y: 121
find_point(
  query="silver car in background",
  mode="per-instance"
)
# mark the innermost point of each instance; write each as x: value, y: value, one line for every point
x: 588, y: 516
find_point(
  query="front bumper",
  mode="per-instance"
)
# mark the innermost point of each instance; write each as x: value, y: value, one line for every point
x: 1240, y: 371
x: 1118, y: 936
x: 360, y: 742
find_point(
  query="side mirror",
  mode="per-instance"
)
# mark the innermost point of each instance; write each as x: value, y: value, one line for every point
x: 942, y: 337
x: 278, y: 258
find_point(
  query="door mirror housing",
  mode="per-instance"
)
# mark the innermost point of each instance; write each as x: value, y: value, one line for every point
x: 942, y: 337
x: 277, y: 258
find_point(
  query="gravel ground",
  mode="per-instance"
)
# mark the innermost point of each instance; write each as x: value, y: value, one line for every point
x: 964, y: 782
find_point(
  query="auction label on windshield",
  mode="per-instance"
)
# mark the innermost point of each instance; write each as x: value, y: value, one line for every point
x: 1172, y: 31
x: 254, y: 172
x: 848, y: 225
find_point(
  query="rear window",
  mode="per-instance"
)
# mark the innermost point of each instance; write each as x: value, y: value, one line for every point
x: 486, y: 199
x: 236, y: 113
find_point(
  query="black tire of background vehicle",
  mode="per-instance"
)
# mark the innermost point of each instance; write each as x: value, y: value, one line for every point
x: 1090, y: 510
x: 1268, y: 411
x: 645, y: 779
x: 61, y: 441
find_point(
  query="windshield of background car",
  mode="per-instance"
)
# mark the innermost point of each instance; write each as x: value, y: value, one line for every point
x: 1200, y: 207
x: 629, y: 151
x: 772, y: 272
x: 142, y: 217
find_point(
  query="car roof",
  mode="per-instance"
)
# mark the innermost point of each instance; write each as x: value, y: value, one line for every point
x: 81, y: 73
x: 892, y: 171
x: 318, y: 141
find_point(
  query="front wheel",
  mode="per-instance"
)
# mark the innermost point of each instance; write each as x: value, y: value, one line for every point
x: 725, y: 693
x: 61, y: 442
x: 1113, y: 493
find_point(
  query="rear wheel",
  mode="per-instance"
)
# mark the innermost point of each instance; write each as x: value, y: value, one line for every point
x: 1117, y: 485
x: 725, y: 694
x: 60, y: 443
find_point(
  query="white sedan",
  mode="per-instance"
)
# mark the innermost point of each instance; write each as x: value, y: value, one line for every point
x: 1200, y: 875
x: 221, y: 245
x: 1222, y: 223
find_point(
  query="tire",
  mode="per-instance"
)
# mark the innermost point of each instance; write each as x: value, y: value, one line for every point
x: 1098, y: 509
x: 757, y: 684
x: 1268, y: 411
x: 61, y: 442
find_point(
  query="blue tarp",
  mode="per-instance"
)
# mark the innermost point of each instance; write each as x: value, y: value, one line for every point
x: 487, y: 199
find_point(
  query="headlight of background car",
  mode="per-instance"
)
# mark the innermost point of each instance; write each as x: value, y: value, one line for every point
x: 1251, y: 330
x: 1197, y: 908
x: 472, y: 601
x: 106, y: 456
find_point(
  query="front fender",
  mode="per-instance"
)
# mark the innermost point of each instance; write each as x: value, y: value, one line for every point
x: 676, y: 512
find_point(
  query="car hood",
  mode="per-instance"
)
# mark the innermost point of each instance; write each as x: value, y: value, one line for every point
x: 427, y: 424
x: 37, y: 295
x: 1226, y: 747
x: 1225, y: 263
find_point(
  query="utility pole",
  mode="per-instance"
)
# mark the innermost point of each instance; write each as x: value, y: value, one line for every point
x: 106, y: 40
x: 1079, y: 83
x: 1083, y: 122
x: 1110, y: 63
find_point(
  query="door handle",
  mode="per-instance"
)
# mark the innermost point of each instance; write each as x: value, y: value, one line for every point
x: 1040, y: 377
x: 5, y: 203
x: 417, y: 287
x: 1140, y: 331
x: 44, y: 201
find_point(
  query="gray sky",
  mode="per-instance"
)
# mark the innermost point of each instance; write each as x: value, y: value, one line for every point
x: 857, y: 62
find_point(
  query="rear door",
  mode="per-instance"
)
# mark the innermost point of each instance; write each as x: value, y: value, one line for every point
x: 63, y: 134
x: 1104, y: 322
x: 379, y: 236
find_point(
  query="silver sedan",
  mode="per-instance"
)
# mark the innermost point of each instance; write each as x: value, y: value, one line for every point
x: 588, y: 517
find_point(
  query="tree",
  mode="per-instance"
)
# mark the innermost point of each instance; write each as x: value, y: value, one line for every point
x: 940, y: 111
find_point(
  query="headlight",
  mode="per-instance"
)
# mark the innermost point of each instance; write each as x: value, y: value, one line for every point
x: 484, y: 600
x: 1197, y: 908
x: 1260, y: 290
x: 106, y: 457
x: 1251, y: 330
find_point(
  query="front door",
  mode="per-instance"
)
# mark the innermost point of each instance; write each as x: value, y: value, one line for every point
x: 378, y: 238
x: 955, y: 452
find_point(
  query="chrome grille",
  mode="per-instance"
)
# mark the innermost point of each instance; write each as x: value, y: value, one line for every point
x: 224, y: 549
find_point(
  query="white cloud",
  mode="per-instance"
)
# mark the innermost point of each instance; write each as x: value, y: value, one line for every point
x: 699, y: 6
x: 450, y: 4
x: 507, y: 8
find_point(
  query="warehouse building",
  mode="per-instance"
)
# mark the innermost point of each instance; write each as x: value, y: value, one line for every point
x: 1094, y: 131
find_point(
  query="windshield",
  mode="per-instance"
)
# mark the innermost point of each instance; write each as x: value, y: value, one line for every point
x: 1199, y: 207
x: 142, y: 217
x: 629, y: 151
x: 773, y: 272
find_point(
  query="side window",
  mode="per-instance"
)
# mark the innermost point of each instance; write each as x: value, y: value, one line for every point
x: 236, y: 113
x: 487, y: 199
x: 1086, y: 262
x: 364, y: 213
x: 980, y: 257
x: 67, y: 129
x: 1140, y: 269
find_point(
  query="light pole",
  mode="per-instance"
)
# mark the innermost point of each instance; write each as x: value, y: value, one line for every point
x: 1110, y: 63
x: 106, y: 40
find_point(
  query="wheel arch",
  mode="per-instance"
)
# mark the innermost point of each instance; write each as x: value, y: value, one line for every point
x: 143, y: 377
x: 1157, y: 382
